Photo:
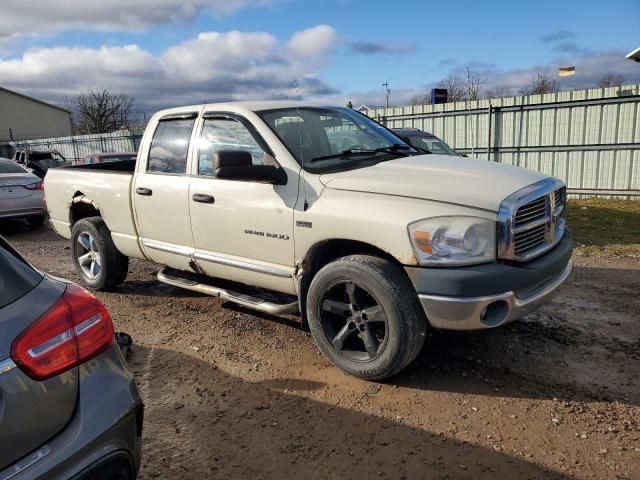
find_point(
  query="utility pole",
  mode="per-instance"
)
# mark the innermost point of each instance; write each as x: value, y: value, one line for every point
x: 387, y: 92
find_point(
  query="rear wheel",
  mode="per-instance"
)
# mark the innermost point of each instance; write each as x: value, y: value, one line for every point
x: 36, y: 220
x: 95, y: 257
x: 365, y: 316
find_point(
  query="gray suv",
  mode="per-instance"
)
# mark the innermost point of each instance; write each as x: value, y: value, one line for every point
x: 69, y: 407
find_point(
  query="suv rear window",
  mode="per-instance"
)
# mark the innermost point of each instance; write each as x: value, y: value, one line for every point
x: 17, y: 277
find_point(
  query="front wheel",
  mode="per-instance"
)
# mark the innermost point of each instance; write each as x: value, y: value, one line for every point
x: 365, y: 316
x: 95, y: 257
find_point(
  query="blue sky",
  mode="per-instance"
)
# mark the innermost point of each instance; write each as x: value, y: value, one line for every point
x: 350, y: 49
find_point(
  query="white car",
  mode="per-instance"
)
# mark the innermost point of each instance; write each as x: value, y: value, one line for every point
x: 372, y: 242
x: 21, y: 194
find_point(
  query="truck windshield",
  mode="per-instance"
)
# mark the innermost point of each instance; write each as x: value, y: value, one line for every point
x: 332, y: 139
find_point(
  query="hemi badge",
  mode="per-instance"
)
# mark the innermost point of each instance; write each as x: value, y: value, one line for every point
x: 300, y: 223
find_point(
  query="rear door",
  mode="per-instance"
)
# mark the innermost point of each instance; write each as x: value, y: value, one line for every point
x: 161, y: 192
x: 31, y: 412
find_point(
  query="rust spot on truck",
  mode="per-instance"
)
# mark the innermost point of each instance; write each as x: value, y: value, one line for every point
x: 81, y: 198
x: 411, y: 260
x: 81, y: 206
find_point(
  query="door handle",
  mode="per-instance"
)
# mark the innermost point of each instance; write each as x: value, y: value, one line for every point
x: 147, y: 192
x: 202, y: 198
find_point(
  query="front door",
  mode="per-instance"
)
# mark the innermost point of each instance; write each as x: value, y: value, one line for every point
x: 242, y: 231
x: 161, y: 193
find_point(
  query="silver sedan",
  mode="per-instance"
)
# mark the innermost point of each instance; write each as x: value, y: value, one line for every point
x: 21, y: 194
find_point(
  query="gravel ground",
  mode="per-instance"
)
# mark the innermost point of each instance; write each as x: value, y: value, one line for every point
x: 233, y: 394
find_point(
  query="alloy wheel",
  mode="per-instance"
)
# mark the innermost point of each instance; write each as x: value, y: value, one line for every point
x: 353, y: 321
x: 88, y: 256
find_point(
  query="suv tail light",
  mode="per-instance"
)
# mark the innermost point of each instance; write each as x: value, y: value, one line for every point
x: 35, y: 186
x: 77, y: 328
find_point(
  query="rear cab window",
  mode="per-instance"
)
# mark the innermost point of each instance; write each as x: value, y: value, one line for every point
x: 17, y: 277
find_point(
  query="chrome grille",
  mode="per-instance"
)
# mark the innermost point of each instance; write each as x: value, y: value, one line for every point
x: 532, y: 221
x: 559, y: 196
x: 529, y: 239
x: 531, y: 212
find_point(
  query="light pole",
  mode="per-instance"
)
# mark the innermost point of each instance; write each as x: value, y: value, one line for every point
x: 387, y: 92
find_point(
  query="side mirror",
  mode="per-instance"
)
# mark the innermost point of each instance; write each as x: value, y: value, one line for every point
x: 238, y: 165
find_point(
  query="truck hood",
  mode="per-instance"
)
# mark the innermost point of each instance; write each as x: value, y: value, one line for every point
x: 439, y: 178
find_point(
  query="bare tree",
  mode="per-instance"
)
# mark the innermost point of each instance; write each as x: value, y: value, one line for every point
x: 456, y: 88
x: 100, y: 111
x: 460, y: 89
x: 499, y: 91
x: 421, y: 99
x: 611, y: 80
x: 474, y: 85
x: 541, y: 82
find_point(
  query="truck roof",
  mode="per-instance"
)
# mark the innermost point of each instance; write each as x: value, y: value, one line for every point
x: 253, y: 106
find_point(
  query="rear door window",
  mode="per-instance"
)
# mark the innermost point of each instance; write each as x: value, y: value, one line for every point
x: 170, y: 146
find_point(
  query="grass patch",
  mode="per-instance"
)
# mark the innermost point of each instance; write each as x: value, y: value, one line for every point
x: 605, y: 228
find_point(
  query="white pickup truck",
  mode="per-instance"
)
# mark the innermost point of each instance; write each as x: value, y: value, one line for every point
x: 291, y: 207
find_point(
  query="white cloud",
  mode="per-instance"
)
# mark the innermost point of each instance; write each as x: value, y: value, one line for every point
x: 319, y: 41
x: 21, y: 17
x: 211, y: 67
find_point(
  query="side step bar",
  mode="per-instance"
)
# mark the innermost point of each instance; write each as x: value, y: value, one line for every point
x: 170, y: 277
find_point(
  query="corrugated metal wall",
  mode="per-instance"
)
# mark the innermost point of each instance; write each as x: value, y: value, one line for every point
x: 588, y: 138
x: 23, y: 117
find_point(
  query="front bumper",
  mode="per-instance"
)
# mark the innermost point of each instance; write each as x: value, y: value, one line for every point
x: 487, y: 296
x: 475, y: 313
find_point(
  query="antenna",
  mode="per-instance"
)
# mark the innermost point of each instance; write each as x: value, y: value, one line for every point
x: 471, y: 117
x: 387, y: 92
x: 304, y: 183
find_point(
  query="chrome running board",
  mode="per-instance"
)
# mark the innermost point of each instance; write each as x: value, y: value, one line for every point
x: 189, y: 281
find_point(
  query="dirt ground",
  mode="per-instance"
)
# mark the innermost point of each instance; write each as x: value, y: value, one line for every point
x: 231, y: 394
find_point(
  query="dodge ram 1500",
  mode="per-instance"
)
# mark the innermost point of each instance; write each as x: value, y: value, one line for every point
x: 292, y: 207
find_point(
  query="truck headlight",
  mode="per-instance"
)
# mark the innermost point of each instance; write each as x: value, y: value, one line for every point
x: 453, y: 240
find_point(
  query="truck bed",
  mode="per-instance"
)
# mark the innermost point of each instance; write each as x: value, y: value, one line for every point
x: 104, y: 187
x: 126, y: 166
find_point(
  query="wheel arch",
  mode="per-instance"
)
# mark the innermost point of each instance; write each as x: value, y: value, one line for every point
x: 81, y: 207
x: 325, y: 252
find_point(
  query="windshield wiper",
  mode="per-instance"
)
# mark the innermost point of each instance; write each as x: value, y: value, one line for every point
x: 396, y: 148
x: 423, y: 150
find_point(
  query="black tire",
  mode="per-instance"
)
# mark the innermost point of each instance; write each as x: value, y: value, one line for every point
x: 378, y: 283
x: 36, y: 220
x: 113, y: 266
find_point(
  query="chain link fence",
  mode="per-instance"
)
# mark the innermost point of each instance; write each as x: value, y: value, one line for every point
x: 77, y: 147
